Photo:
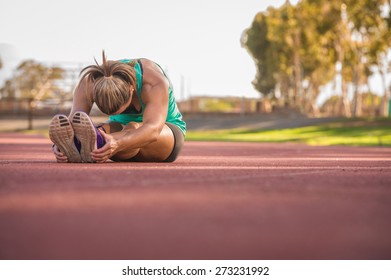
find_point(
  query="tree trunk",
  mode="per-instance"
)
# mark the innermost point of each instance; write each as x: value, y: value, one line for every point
x: 372, y: 106
x: 30, y: 113
x: 298, y: 92
x: 314, y: 95
x: 345, y: 104
x: 345, y: 100
x: 386, y: 97
x: 357, y: 98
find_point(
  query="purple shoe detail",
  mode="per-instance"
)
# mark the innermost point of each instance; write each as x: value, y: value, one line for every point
x: 77, y: 143
x: 100, y: 140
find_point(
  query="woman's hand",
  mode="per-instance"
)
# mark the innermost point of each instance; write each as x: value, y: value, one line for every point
x: 107, y: 151
x: 60, y: 157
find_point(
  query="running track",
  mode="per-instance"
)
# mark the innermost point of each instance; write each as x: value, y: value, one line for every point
x: 217, y: 201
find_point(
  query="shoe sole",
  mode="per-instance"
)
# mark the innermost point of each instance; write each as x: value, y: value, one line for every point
x: 61, y: 133
x: 86, y: 133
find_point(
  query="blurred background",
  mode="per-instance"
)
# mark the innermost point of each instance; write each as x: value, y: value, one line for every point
x: 315, y: 58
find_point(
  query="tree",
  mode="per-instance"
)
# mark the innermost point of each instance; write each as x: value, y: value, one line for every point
x: 33, y: 82
x: 364, y: 42
x: 269, y: 42
x: 378, y: 50
x: 255, y: 39
x: 290, y: 54
x: 316, y: 52
x: 298, y: 49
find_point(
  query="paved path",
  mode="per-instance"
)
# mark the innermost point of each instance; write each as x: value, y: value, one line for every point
x: 217, y: 201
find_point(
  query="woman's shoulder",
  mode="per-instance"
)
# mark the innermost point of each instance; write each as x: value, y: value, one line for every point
x: 135, y: 60
x: 129, y: 61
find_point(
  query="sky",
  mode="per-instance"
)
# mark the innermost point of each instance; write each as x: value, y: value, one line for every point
x: 197, y: 42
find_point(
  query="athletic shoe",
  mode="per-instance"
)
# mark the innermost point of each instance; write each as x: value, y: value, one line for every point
x: 62, y: 135
x: 89, y: 136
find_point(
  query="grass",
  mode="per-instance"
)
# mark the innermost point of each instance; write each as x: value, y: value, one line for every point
x: 349, y: 132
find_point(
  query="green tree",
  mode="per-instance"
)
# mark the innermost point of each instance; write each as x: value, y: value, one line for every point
x: 378, y: 49
x: 33, y: 82
x: 270, y: 41
x: 290, y: 53
x: 366, y: 44
x: 316, y: 52
x: 298, y: 49
x: 255, y: 39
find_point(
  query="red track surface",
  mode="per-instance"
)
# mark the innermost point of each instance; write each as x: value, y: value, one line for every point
x: 217, y: 201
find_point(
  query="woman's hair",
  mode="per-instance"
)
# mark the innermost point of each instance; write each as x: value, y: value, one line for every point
x: 111, y: 83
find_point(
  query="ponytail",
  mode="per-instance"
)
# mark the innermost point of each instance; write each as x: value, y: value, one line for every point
x: 111, y: 83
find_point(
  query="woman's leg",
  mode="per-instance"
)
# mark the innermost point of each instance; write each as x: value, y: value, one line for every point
x: 159, y: 150
x: 179, y: 140
x: 111, y: 127
x: 156, y: 151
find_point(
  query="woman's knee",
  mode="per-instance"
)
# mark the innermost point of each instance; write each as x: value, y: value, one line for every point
x: 111, y: 127
x: 132, y: 126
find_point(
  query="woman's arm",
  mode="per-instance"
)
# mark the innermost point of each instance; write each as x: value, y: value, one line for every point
x: 82, y: 97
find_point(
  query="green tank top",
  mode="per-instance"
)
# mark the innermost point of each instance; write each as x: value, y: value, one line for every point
x: 131, y: 115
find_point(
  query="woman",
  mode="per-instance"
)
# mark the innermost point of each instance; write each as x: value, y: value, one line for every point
x: 144, y: 121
